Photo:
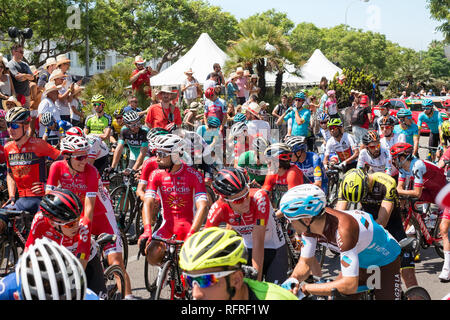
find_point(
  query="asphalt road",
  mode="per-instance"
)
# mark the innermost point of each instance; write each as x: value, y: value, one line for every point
x: 427, y: 270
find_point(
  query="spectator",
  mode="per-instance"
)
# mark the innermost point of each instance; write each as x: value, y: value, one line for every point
x: 324, y: 87
x: 331, y: 105
x: 133, y: 106
x: 140, y: 78
x: 35, y: 97
x: 253, y: 88
x: 373, y: 92
x: 11, y: 102
x: 218, y: 70
x: 6, y: 84
x: 190, y: 88
x: 278, y: 111
x: 361, y: 119
x: 300, y: 117
x: 48, y: 68
x: 211, y: 82
x: 47, y: 104
x: 76, y: 107
x: 241, y: 82
x: 404, y: 95
x: 443, y: 91
x: 161, y: 114
x: 62, y: 103
x: 21, y: 75
x: 313, y: 106
x: 232, y: 90
x: 263, y: 114
x: 191, y: 116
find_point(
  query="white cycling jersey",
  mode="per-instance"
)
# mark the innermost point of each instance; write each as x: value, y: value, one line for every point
x: 383, y: 163
x: 344, y: 148
x: 99, y: 149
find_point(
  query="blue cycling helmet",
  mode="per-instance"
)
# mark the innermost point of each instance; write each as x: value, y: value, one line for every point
x: 303, y: 201
x: 427, y: 103
x: 322, y: 117
x: 300, y: 95
x: 213, y: 122
x: 240, y: 117
x: 403, y: 112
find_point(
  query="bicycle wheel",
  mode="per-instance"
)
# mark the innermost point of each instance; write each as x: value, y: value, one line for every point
x: 123, y: 237
x: 417, y: 234
x: 150, y: 276
x: 8, y: 256
x: 115, y: 180
x: 112, y: 275
x: 164, y: 284
x: 416, y: 293
x: 438, y: 245
x: 123, y: 203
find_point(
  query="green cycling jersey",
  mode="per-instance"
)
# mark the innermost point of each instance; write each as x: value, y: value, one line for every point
x: 260, y: 290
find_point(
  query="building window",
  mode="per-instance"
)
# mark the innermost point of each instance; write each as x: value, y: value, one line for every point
x: 101, y: 64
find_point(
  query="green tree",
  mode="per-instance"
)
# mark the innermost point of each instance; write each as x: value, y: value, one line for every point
x: 434, y: 58
x: 440, y: 11
x: 306, y: 38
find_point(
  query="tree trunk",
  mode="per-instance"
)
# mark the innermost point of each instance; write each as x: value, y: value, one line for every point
x: 261, y: 70
x: 278, y: 83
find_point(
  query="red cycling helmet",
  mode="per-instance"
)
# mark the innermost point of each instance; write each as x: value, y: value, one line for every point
x: 401, y: 148
x: 210, y: 92
x: 446, y: 103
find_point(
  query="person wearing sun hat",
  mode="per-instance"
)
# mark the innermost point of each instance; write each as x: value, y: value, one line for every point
x: 48, y: 68
x: 76, y: 111
x: 161, y: 114
x: 256, y: 126
x: 11, y: 102
x: 140, y: 78
x: 191, y: 115
x: 47, y: 104
x: 190, y: 87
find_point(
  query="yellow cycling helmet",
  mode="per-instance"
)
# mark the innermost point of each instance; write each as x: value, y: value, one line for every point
x: 354, y: 185
x: 212, y: 247
x: 98, y: 98
x: 446, y: 127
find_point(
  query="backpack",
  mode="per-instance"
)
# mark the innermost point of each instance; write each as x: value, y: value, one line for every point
x: 358, y: 116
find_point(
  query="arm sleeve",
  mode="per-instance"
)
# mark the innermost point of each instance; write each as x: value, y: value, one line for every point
x: 215, y: 215
x: 309, y: 247
x: 350, y: 263
x: 152, y: 186
x: 53, y: 176
x: 263, y: 206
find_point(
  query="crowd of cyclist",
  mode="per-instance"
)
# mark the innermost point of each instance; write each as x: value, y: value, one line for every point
x: 259, y: 179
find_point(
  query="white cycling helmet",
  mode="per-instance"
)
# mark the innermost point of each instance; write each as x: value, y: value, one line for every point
x: 71, y: 144
x: 75, y: 131
x: 170, y: 143
x: 49, y: 271
x: 46, y: 118
x: 260, y: 144
x: 303, y: 201
x: 238, y: 129
x: 130, y: 117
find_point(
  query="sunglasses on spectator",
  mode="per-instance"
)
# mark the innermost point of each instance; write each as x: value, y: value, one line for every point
x: 80, y: 158
x: 13, y: 125
x: 162, y: 154
x: 239, y: 200
x: 206, y: 280
x: 68, y: 225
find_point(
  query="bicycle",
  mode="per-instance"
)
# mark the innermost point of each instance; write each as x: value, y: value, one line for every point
x: 13, y: 239
x: 293, y: 253
x: 426, y: 236
x: 333, y: 174
x: 431, y: 152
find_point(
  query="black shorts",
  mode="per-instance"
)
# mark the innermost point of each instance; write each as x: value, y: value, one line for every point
x: 433, y: 140
x: 101, y: 164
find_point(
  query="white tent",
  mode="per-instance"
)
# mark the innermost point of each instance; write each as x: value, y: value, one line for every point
x: 311, y: 72
x: 200, y: 58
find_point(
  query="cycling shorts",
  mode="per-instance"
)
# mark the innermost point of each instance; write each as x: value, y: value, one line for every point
x: 433, y: 141
x: 275, y: 264
x: 180, y: 228
x: 106, y: 223
x: 30, y: 204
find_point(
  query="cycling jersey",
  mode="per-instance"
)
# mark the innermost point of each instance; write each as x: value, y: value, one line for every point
x: 8, y: 286
x: 344, y: 148
x: 97, y: 125
x: 260, y: 213
x: 313, y: 170
x: 148, y: 167
x: 216, y: 109
x: 2, y: 154
x: 116, y: 127
x: 432, y: 122
x: 99, y: 149
x: 178, y: 192
x: 260, y: 290
x: 383, y: 163
x: 407, y: 134
x: 135, y: 141
x: 61, y: 128
x: 424, y: 174
x: 280, y: 184
x: 27, y: 163
x: 257, y: 172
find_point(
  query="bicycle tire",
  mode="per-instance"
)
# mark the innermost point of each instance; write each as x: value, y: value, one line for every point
x: 124, y: 248
x: 115, y: 180
x: 417, y: 234
x: 438, y: 245
x: 112, y: 289
x: 163, y: 287
x: 416, y: 292
x: 9, y: 256
x: 123, y: 209
x: 150, y: 276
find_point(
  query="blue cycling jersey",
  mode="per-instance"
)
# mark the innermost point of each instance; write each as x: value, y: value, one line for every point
x: 433, y: 122
x: 313, y: 169
x: 62, y: 127
x: 408, y: 134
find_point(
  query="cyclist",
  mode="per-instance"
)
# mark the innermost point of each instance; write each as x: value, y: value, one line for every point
x: 117, y: 124
x: 179, y: 188
x: 46, y: 271
x: 323, y: 119
x: 407, y: 129
x: 249, y: 213
x: 282, y: 175
x: 378, y: 196
x: 444, y: 134
x: 341, y: 143
x: 60, y: 220
x: 362, y: 243
x: 215, y: 107
x: 239, y: 117
x: 254, y: 163
x: 373, y: 157
x: 136, y: 138
x: 99, y: 123
x: 239, y: 140
x: 308, y: 162
x: 54, y: 130
x: 210, y: 132
x: 26, y: 162
x: 75, y: 174
x: 431, y: 117
x: 442, y: 199
x: 212, y: 260
x: 384, y: 107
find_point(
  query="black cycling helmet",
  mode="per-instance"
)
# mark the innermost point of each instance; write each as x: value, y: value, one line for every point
x: 118, y: 112
x: 230, y: 181
x: 387, y: 121
x: 61, y: 205
x: 370, y: 136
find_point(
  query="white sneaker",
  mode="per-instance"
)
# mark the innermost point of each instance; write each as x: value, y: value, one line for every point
x: 445, y: 275
x: 411, y: 230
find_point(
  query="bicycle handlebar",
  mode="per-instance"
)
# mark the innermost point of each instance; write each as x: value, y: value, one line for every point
x: 169, y: 241
x: 11, y: 213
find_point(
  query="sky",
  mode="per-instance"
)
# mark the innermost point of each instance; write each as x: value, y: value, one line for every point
x: 406, y: 22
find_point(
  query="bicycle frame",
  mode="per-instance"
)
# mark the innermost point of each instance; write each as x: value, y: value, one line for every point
x: 423, y: 228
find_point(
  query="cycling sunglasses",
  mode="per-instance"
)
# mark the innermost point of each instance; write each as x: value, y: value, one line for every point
x: 13, y: 125
x: 374, y: 147
x: 162, y: 154
x: 97, y: 104
x: 133, y: 125
x: 68, y: 225
x: 206, y: 280
x: 323, y: 122
x: 80, y: 158
x: 239, y: 200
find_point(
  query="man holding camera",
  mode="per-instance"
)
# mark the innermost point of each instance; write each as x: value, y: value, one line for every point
x: 140, y: 78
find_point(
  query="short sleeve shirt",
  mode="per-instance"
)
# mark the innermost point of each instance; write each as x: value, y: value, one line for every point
x: 302, y: 129
x: 21, y: 87
x: 159, y: 118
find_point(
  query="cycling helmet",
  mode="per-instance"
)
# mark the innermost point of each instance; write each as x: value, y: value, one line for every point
x: 169, y: 142
x: 46, y: 119
x: 354, y: 185
x: 385, y: 104
x: 444, y: 116
x: 154, y: 132
x: 17, y: 114
x: 401, y: 149
x: 303, y: 201
x: 427, y: 103
x: 238, y: 129
x: 260, y: 144
x: 296, y: 143
x: 370, y: 136
x: 61, y: 205
x: 240, y: 117
x: 130, y: 117
x: 446, y: 127
x: 2, y: 113
x: 387, y: 121
x: 229, y: 181
x: 98, y: 98
x: 72, y: 144
x: 446, y: 103
x: 322, y: 117
x: 335, y: 122
x: 209, y: 93
x: 280, y: 151
x: 49, y: 271
x: 403, y: 112
x: 300, y: 95
x: 75, y: 131
x: 118, y: 112
x: 213, y: 122
x: 213, y: 247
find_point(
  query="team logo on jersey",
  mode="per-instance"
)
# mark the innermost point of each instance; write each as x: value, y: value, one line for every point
x: 346, y: 261
x: 176, y: 202
x: 365, y: 223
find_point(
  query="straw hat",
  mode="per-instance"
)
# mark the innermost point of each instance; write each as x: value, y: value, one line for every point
x: 233, y: 75
x: 195, y: 106
x: 189, y: 71
x: 77, y: 89
x: 166, y: 89
x: 13, y: 100
x: 139, y: 60
x: 61, y: 59
x: 56, y: 75
x: 34, y: 71
x: 50, y: 87
x: 263, y: 104
x: 254, y: 108
x: 239, y: 70
x: 49, y: 62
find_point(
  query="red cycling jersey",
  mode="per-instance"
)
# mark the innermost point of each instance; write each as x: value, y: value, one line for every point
x: 27, y: 164
x: 147, y: 168
x: 260, y: 214
x: 177, y: 192
x: 2, y: 154
x: 79, y: 245
x: 291, y: 178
